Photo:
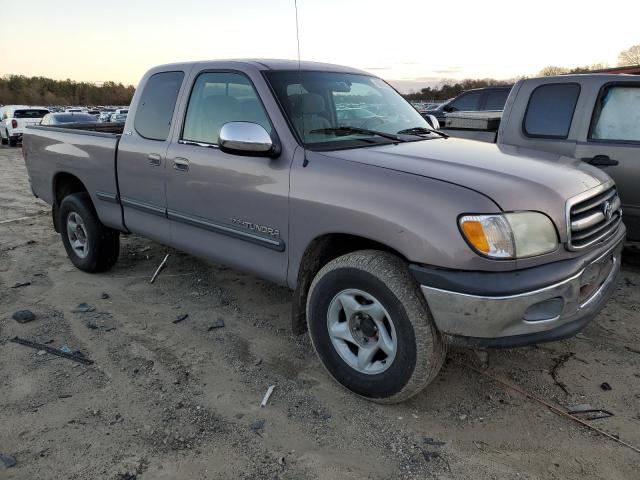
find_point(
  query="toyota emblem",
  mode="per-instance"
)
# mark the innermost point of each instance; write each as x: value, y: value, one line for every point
x: 607, y: 209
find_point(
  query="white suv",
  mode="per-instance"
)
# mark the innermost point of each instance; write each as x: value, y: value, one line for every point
x: 13, y: 119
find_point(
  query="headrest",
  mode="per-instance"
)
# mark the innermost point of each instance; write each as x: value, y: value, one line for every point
x: 312, y: 103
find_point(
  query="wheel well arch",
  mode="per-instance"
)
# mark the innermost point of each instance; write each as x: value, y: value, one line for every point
x: 320, y: 251
x: 64, y: 184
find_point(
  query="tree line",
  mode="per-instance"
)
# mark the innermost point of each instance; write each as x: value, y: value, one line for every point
x: 19, y: 89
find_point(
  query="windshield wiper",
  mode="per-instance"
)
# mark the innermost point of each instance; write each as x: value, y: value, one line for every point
x: 419, y: 130
x: 347, y: 130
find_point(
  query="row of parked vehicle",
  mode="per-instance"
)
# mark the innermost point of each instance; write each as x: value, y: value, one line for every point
x: 14, y: 118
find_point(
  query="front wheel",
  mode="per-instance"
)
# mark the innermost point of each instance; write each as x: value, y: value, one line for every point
x: 91, y: 246
x: 371, y: 327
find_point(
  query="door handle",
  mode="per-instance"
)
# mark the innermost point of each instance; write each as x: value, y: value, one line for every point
x: 181, y: 164
x: 601, y: 161
x: 154, y: 159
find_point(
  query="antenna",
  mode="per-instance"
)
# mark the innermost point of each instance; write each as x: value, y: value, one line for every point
x: 305, y: 162
x: 295, y: 5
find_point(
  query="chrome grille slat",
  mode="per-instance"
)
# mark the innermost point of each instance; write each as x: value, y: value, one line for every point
x: 587, y: 220
x: 588, y: 233
x: 593, y: 202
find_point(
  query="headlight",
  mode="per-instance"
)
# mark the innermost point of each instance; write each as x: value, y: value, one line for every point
x: 510, y: 235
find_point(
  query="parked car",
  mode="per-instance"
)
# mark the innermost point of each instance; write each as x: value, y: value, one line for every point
x: 480, y: 99
x: 396, y: 241
x: 75, y: 110
x: 95, y: 113
x: 65, y: 118
x: 120, y: 115
x: 105, y: 114
x: 15, y: 118
x: 593, y: 117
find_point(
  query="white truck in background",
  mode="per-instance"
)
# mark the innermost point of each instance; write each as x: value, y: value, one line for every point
x: 13, y: 120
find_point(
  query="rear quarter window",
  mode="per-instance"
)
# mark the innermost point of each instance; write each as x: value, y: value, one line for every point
x: 550, y: 110
x: 157, y: 103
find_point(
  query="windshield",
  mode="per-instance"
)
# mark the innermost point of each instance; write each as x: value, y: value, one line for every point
x: 30, y: 113
x: 323, y: 106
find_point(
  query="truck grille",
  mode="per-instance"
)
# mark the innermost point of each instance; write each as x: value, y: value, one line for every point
x: 593, y: 219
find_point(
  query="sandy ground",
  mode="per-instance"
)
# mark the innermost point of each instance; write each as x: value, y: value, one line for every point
x: 180, y: 401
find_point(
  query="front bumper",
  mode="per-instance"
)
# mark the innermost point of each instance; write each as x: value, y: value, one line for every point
x: 487, y: 317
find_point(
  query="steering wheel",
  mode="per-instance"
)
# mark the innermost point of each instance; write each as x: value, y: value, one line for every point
x: 373, y: 121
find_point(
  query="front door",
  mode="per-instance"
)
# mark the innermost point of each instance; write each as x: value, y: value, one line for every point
x: 141, y: 164
x: 226, y: 207
x: 613, y: 144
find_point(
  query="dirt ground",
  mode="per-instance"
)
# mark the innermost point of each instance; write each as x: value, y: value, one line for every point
x: 182, y: 401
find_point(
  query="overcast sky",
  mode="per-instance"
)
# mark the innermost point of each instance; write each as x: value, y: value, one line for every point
x: 412, y: 43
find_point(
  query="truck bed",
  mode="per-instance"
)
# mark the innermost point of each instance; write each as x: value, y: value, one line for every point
x: 86, y: 151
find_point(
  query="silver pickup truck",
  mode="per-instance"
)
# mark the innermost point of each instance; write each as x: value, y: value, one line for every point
x: 592, y: 117
x: 395, y: 239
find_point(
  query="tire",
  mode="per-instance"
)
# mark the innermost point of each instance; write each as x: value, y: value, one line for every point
x: 13, y: 142
x: 3, y: 140
x: 381, y: 284
x: 101, y: 246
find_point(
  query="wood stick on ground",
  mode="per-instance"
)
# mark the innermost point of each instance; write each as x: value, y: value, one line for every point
x: 160, y: 267
x: 551, y: 407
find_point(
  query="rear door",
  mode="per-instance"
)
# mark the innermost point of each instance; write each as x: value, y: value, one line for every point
x: 228, y: 208
x: 141, y: 162
x: 613, y: 143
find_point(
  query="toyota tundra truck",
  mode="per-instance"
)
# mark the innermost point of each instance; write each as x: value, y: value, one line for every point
x: 396, y: 240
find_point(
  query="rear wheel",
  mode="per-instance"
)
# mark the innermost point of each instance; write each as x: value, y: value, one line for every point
x: 90, y: 245
x: 13, y: 141
x: 371, y: 327
x: 4, y: 140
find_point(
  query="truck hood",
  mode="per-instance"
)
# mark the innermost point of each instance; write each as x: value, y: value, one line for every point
x: 513, y: 177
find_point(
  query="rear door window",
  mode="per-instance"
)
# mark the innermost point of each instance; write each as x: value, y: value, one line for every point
x: 469, y: 102
x: 550, y: 110
x: 156, y: 106
x: 617, y: 114
x: 496, y: 99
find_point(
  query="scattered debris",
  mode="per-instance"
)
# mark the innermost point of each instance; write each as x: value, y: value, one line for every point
x: 551, y: 407
x: 257, y: 362
x: 103, y: 328
x: 83, y: 308
x: 281, y: 461
x: 634, y: 350
x: 433, y: 442
x: 21, y: 284
x: 559, y: 362
x: 54, y: 351
x: 8, y: 460
x: 265, y: 399
x: 180, y: 318
x: 65, y: 349
x: 483, y: 357
x: 219, y: 323
x: 257, y: 426
x: 24, y: 316
x: 160, y: 267
x: 586, y: 408
x: 104, y: 296
x: 605, y: 386
x: 41, y: 352
x: 19, y: 219
x: 127, y: 476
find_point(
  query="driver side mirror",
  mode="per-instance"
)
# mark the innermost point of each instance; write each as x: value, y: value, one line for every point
x: 448, y: 108
x: 247, y: 138
x: 433, y: 121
